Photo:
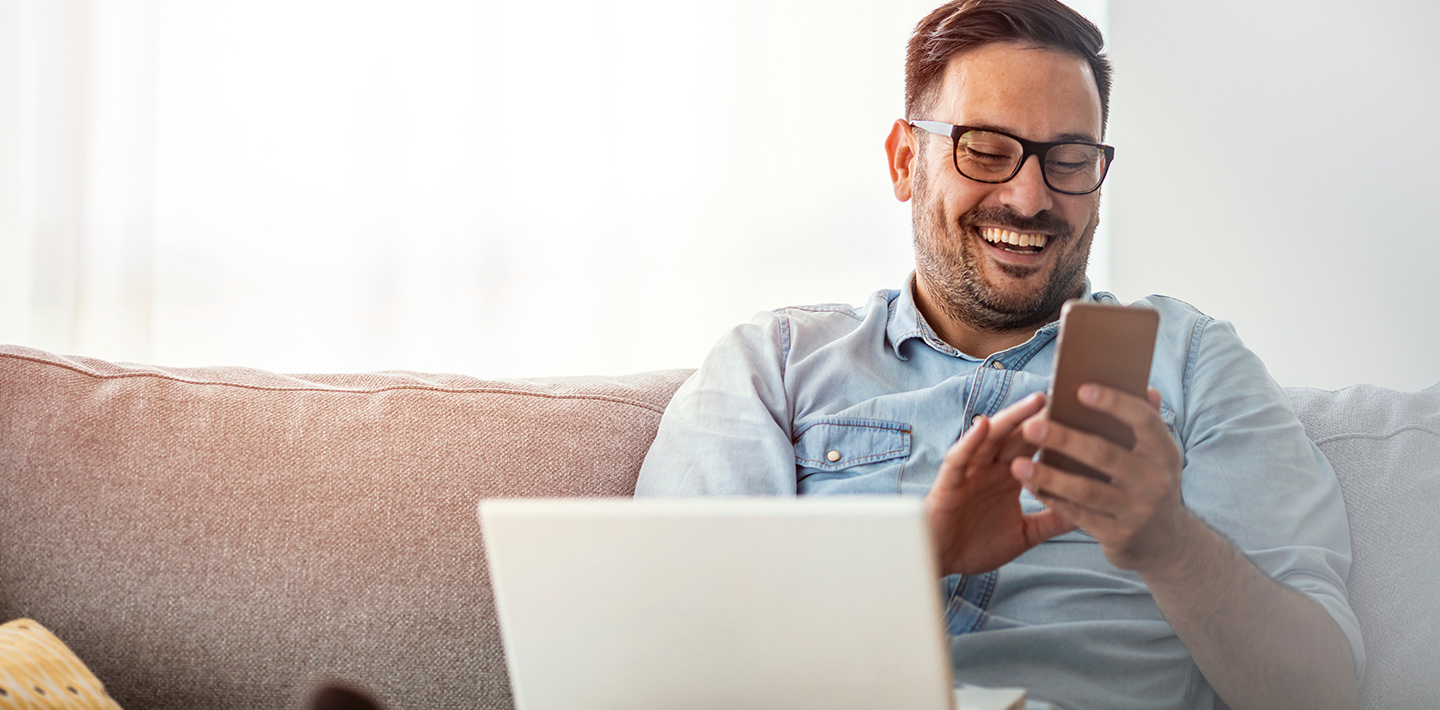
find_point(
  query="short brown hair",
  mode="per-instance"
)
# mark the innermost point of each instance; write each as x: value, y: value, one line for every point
x: 963, y: 25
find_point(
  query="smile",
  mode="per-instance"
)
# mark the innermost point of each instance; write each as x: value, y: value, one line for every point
x: 1018, y: 242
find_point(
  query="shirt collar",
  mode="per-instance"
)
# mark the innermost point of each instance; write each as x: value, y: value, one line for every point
x: 905, y: 321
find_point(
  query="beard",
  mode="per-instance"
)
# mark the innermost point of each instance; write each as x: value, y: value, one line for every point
x: 948, y: 257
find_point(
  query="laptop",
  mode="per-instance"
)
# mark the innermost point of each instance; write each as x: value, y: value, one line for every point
x: 756, y: 603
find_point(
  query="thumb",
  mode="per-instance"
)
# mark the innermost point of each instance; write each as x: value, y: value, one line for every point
x: 1044, y: 525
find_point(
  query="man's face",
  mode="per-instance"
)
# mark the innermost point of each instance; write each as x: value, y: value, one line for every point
x: 963, y: 263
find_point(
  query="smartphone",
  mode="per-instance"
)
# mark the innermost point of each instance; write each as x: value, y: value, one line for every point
x: 1105, y: 344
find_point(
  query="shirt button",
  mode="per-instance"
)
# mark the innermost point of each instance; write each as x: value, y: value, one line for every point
x: 998, y: 365
x: 833, y: 456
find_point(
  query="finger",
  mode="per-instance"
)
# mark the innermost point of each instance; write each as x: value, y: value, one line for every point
x: 1092, y: 494
x: 1138, y: 412
x: 1094, y: 451
x: 990, y: 446
x: 1004, y: 424
x: 1153, y: 395
x: 1012, y: 416
x: 1044, y: 525
x: 1097, y: 524
x: 952, y: 467
x: 1016, y: 445
x: 1037, y: 419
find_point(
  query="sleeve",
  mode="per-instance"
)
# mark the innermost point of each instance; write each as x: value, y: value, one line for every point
x: 727, y: 430
x: 1253, y: 475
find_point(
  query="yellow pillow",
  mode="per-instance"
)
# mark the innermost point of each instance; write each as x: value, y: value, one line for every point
x: 38, y: 671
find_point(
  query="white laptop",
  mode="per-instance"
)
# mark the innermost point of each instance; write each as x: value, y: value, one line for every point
x: 755, y: 603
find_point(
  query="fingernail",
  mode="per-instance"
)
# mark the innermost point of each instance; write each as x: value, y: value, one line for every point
x: 1037, y: 430
x: 1089, y: 393
x: 1024, y: 469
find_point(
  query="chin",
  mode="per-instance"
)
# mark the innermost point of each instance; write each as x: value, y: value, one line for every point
x: 1015, y: 298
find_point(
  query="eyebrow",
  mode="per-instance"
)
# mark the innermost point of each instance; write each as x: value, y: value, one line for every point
x: 1063, y: 137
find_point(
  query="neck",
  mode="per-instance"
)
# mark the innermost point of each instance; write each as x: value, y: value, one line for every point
x: 969, y: 339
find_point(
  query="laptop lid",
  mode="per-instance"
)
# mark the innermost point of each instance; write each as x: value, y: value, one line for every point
x: 717, y: 603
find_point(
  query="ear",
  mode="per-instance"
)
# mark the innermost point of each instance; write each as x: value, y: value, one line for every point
x: 900, y: 148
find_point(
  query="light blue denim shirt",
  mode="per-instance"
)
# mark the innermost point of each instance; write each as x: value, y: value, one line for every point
x: 776, y: 396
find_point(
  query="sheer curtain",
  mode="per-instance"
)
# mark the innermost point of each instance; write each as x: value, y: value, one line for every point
x: 497, y: 188
x: 77, y: 175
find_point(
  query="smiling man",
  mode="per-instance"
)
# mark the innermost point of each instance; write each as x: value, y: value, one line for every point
x: 1212, y: 563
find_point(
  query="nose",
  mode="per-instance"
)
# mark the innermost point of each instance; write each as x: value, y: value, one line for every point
x: 1027, y: 193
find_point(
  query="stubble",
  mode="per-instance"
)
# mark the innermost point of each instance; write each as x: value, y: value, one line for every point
x: 947, y: 257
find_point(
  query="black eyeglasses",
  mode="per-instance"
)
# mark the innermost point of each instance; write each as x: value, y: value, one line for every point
x: 986, y: 155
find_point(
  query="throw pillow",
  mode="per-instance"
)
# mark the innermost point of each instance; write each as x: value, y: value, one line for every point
x: 37, y: 670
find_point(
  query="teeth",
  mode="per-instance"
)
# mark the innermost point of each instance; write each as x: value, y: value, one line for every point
x: 996, y: 235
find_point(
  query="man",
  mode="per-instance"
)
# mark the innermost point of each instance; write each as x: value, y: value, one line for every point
x: 1214, y: 561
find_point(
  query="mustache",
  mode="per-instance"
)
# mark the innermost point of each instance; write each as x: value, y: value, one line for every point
x: 1044, y: 221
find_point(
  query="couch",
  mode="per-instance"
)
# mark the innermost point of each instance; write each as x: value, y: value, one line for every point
x: 225, y: 537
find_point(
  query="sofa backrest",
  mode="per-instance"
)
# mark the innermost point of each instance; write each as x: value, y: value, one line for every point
x: 1385, y: 447
x: 225, y: 537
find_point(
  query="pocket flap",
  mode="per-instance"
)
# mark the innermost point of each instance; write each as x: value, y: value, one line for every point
x: 835, y: 443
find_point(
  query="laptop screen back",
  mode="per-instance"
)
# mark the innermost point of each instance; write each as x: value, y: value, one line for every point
x: 717, y: 603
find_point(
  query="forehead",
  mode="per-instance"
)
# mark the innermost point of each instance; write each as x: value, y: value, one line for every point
x: 1039, y: 94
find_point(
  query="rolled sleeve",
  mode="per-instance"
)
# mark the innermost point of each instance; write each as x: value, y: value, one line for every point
x: 1253, y: 475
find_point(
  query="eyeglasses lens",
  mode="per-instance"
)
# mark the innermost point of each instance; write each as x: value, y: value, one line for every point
x: 992, y: 157
x: 986, y: 156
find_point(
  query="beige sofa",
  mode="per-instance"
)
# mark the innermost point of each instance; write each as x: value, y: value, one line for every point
x: 226, y: 538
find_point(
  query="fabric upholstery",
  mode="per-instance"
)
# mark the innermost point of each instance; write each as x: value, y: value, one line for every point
x: 1385, y: 447
x: 229, y: 538
x: 226, y: 538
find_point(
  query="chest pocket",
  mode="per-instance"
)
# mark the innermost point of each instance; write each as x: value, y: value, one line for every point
x: 832, y: 444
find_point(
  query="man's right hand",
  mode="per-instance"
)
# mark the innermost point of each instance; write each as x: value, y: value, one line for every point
x: 974, y: 506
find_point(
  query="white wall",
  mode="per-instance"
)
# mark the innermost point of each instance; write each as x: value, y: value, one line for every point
x: 1277, y: 166
x: 495, y: 187
x: 398, y: 189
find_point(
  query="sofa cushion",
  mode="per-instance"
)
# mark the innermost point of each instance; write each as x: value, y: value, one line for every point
x: 224, y: 537
x: 1385, y: 447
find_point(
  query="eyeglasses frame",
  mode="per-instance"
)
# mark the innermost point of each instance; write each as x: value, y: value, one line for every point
x: 1027, y: 149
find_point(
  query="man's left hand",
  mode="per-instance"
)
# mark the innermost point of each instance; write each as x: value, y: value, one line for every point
x: 1138, y: 517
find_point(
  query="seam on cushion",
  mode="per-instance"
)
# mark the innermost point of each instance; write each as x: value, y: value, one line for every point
x: 394, y: 388
x: 1376, y: 437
